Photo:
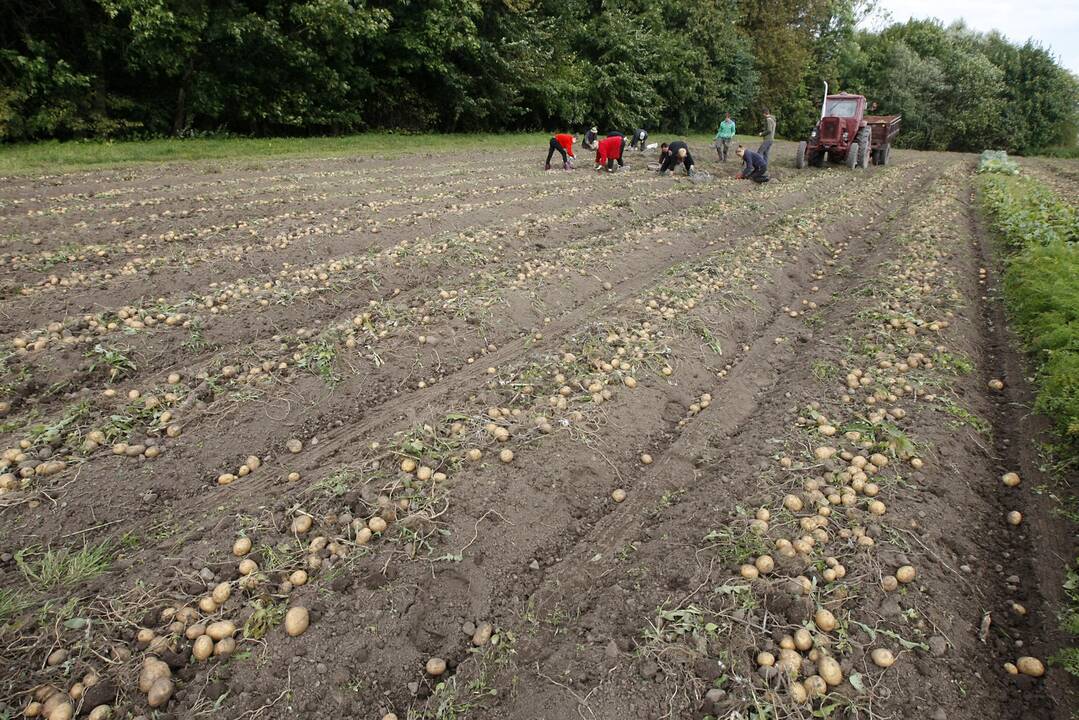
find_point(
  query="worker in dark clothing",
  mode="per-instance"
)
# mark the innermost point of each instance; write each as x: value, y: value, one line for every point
x: 754, y: 166
x: 674, y: 154
x: 640, y: 138
x: 591, y: 138
x: 562, y: 144
x: 609, y: 151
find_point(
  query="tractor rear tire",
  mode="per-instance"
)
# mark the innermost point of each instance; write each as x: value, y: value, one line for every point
x: 800, y: 159
x: 863, y: 148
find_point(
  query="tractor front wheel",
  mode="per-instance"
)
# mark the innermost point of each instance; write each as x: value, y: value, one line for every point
x: 863, y: 148
x: 800, y: 159
x: 852, y: 156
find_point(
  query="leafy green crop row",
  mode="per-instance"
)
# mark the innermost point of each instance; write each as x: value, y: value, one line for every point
x: 1025, y: 213
x: 1041, y: 284
x: 1041, y: 288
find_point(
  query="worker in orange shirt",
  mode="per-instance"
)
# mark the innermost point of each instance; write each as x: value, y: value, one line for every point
x: 562, y: 144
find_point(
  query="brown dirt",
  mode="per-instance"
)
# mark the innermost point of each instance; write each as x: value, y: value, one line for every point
x: 491, y: 285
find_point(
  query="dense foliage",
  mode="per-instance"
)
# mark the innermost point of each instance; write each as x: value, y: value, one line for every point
x: 997, y: 161
x: 131, y: 68
x: 1041, y: 235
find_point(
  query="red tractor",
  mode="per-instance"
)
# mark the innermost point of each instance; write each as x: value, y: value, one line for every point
x: 846, y: 134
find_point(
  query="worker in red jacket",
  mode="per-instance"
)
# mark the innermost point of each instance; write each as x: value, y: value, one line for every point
x: 610, y: 150
x: 562, y: 144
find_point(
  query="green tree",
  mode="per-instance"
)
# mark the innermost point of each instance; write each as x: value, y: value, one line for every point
x: 103, y: 68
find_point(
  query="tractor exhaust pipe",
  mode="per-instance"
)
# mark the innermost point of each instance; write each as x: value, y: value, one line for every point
x: 824, y: 102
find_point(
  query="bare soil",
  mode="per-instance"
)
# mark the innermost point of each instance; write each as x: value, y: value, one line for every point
x: 755, y: 342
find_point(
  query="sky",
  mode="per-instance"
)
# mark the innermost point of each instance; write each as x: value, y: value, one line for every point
x: 1054, y: 23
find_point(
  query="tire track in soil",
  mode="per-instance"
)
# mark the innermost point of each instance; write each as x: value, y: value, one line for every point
x: 589, y: 600
x: 624, y: 290
x: 479, y: 583
x: 573, y: 581
x: 335, y: 442
x: 735, y: 400
x: 407, y: 405
x: 161, y: 346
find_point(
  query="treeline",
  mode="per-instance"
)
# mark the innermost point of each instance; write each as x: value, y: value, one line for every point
x: 135, y: 68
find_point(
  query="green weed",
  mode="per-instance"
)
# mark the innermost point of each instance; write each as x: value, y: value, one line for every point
x: 47, y: 434
x: 47, y: 569
x: 1040, y: 234
x: 955, y: 363
x: 64, y: 254
x: 735, y: 548
x: 115, y: 361
x: 266, y: 616
x: 966, y: 417
x: 320, y: 358
x: 196, y: 341
x: 12, y: 602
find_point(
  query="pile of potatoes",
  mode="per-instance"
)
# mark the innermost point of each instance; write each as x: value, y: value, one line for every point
x: 18, y: 464
x: 89, y: 329
x: 845, y: 482
x: 809, y: 655
x: 203, y: 625
x: 249, y: 465
x: 50, y: 703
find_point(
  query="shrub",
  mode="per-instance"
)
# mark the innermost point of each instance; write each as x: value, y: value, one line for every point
x: 997, y: 161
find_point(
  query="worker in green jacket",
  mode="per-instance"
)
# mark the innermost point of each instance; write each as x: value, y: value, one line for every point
x: 769, y: 134
x: 724, y: 137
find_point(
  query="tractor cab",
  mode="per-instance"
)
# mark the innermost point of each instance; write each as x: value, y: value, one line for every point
x: 841, y: 120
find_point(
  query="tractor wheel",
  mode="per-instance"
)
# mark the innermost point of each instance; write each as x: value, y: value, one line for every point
x: 863, y: 148
x: 852, y: 156
x: 800, y: 158
x: 885, y: 154
x: 818, y: 158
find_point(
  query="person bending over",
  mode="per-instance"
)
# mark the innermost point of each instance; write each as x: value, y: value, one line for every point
x: 561, y: 143
x: 676, y: 153
x: 591, y: 138
x: 610, y: 151
x: 640, y: 139
x: 620, y: 135
x: 754, y: 166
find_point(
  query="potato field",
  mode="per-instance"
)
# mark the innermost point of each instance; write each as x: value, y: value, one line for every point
x: 448, y: 436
